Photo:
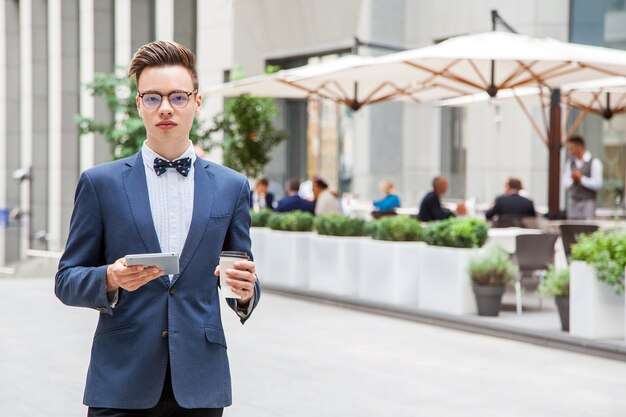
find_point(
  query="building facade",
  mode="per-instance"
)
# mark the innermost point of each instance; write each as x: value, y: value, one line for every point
x: 50, y: 49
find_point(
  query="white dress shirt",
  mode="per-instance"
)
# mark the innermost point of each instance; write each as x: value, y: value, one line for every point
x: 171, y: 203
x: 594, y: 182
x: 171, y: 200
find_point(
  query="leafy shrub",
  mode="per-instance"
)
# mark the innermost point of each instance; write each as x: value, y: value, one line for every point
x: 556, y: 283
x: 259, y: 218
x: 293, y: 221
x: 457, y: 233
x: 338, y: 225
x: 494, y: 268
x: 607, y: 253
x: 396, y: 228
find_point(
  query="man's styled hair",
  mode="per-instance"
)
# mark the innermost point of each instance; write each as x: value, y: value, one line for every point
x: 293, y: 184
x: 263, y: 181
x: 515, y: 184
x: 578, y: 140
x: 163, y: 54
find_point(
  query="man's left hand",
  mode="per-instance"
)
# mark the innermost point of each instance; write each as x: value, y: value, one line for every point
x: 242, y: 279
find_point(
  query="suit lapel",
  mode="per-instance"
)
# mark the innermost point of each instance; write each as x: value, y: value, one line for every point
x: 137, y: 193
x: 204, y: 189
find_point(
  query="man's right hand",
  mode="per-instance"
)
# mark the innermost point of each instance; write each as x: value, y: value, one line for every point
x: 129, y: 277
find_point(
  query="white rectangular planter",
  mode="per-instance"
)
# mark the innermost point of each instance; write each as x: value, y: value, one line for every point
x: 259, y: 251
x: 390, y: 271
x: 287, y: 258
x: 334, y: 264
x: 596, y: 312
x: 445, y: 284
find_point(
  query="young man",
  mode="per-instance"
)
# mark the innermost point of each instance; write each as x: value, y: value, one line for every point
x: 430, y: 208
x: 582, y: 179
x: 511, y: 204
x: 159, y: 348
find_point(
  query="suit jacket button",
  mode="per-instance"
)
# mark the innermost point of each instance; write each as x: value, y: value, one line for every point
x: 172, y: 290
x: 164, y: 334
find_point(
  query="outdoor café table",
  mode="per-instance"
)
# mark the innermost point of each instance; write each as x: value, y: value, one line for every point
x: 505, y: 238
x: 552, y: 226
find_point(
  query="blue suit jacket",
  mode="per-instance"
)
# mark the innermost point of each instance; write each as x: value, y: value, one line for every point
x: 295, y: 202
x: 111, y: 219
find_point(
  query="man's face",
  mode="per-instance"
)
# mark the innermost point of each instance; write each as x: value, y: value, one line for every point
x: 261, y: 189
x: 167, y: 123
x: 442, y: 186
x: 575, y: 150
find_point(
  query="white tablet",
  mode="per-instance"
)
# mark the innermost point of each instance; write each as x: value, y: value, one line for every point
x: 166, y: 261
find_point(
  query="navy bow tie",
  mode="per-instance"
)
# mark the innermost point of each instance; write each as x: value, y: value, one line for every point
x: 181, y: 165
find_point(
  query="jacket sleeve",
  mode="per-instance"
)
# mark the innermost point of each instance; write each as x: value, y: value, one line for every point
x: 493, y: 210
x: 238, y: 239
x: 81, y: 278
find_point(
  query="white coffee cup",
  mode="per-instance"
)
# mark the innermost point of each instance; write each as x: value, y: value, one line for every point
x: 227, y: 261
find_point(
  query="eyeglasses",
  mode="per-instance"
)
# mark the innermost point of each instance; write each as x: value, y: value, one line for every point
x: 177, y: 99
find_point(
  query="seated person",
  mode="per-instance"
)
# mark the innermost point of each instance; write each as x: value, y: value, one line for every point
x: 430, y: 207
x: 260, y: 198
x: 391, y: 201
x: 325, y: 201
x: 511, y: 204
x: 293, y: 201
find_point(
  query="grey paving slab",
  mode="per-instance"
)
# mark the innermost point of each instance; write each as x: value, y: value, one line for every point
x: 298, y: 358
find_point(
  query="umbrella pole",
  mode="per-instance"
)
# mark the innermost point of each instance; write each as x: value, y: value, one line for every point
x: 554, y: 154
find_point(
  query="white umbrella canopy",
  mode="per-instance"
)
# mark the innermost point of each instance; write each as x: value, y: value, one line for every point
x: 350, y: 80
x: 605, y: 97
x: 493, y: 61
x: 465, y: 65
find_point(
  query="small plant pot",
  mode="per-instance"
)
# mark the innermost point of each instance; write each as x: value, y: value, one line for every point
x: 488, y: 299
x: 562, y: 303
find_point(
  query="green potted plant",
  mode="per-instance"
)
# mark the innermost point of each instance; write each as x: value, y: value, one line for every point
x: 396, y: 229
x: 445, y: 285
x: 390, y: 261
x: 457, y: 233
x: 556, y: 285
x: 597, y: 285
x: 490, y: 273
x: 260, y: 218
x: 293, y: 221
x: 334, y: 266
x: 338, y: 225
x: 287, y: 254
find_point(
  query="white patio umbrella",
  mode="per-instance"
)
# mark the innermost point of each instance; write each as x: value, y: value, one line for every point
x: 493, y: 61
x: 344, y: 80
x: 605, y: 97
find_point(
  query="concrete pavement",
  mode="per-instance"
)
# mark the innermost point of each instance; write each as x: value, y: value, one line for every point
x: 298, y: 358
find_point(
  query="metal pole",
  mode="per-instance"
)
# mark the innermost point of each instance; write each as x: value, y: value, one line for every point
x: 554, y: 153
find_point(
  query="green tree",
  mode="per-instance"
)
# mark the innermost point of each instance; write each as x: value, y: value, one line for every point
x: 247, y: 131
x: 125, y: 129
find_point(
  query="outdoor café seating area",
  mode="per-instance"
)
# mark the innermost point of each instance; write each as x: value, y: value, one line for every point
x: 435, y: 279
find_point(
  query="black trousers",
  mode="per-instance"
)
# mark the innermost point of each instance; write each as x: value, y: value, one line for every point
x: 166, y: 407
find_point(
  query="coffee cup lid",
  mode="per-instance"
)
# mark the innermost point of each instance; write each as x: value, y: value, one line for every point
x: 234, y: 254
